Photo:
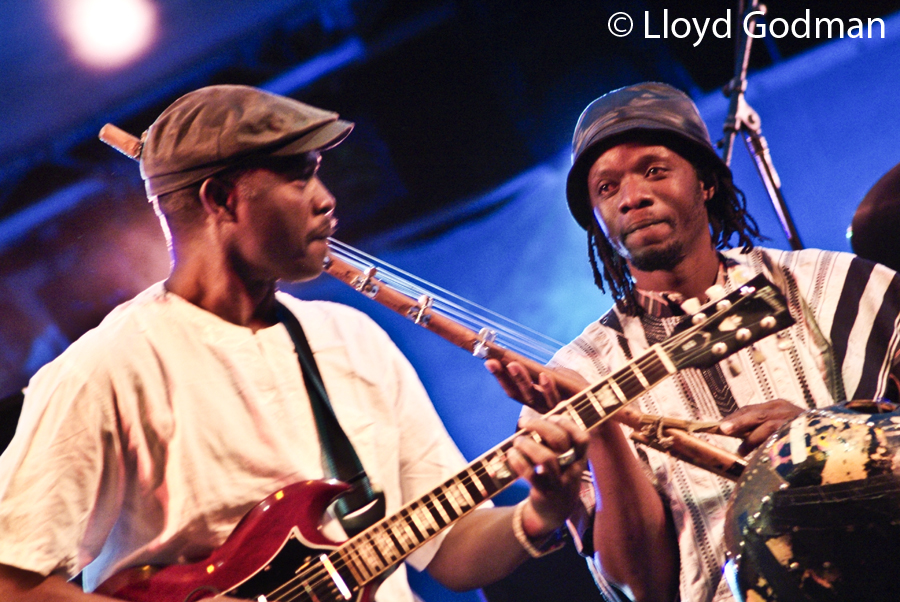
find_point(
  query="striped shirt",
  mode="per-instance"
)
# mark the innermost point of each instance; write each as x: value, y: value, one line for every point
x: 844, y: 345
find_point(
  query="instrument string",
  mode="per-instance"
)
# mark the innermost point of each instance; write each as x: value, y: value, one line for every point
x: 317, y: 579
x: 404, y: 540
x: 510, y: 334
x: 396, y: 532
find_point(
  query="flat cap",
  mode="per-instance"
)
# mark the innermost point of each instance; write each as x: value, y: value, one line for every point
x: 646, y: 107
x: 212, y: 128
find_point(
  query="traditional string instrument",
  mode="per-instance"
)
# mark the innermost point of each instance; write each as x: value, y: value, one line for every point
x: 488, y: 335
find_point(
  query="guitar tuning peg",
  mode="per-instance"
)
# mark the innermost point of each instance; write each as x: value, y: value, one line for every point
x: 734, y: 366
x: 716, y: 291
x: 674, y: 297
x: 784, y: 341
x: 691, y: 306
x: 757, y: 354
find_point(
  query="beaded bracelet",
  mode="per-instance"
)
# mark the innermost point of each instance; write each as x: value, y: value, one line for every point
x: 551, y: 543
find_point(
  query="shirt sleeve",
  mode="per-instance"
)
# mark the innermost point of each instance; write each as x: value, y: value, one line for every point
x: 56, y: 502
x: 855, y: 306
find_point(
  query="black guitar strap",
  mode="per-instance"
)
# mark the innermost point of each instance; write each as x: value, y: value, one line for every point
x: 363, y: 505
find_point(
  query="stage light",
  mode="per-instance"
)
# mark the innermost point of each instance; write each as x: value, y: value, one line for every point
x: 107, y: 34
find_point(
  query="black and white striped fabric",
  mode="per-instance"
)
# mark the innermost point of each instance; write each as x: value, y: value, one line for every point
x: 843, y: 346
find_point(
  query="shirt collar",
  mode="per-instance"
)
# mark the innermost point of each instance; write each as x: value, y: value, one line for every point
x: 665, y: 304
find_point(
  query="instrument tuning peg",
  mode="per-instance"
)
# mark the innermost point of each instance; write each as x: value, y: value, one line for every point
x: 716, y: 291
x: 784, y: 340
x: 758, y: 356
x: 674, y: 297
x: 691, y: 306
x: 734, y: 366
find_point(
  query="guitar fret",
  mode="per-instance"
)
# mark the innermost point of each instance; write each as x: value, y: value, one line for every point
x: 398, y: 545
x: 413, y: 528
x: 617, y: 390
x: 376, y: 548
x: 497, y: 469
x: 640, y: 376
x: 436, y: 504
x: 355, y: 565
x: 628, y: 383
x: 664, y: 359
x: 466, y: 499
x: 598, y: 407
x: 425, y: 513
x: 406, y: 537
x: 368, y: 554
x: 417, y: 516
x: 656, y: 372
x: 587, y: 416
x: 449, y: 505
x: 576, y: 418
x: 388, y: 545
x: 486, y: 477
x: 474, y: 487
x: 456, y: 500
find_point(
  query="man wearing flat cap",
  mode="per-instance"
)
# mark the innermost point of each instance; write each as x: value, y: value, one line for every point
x: 153, y: 434
x: 661, y: 212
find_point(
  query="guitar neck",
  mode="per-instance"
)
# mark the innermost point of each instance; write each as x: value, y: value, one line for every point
x: 721, y: 328
x: 371, y: 553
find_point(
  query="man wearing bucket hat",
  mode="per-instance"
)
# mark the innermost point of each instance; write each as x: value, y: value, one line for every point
x: 661, y: 212
x: 148, y: 440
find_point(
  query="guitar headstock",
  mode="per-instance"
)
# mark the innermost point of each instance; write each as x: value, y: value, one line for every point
x: 724, y: 326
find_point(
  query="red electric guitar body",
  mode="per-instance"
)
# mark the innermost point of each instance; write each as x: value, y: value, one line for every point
x: 259, y: 558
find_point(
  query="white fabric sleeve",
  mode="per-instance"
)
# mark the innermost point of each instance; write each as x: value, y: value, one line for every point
x: 59, y: 489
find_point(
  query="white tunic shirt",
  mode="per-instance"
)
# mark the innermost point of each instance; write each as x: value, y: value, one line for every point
x: 846, y: 336
x: 153, y: 434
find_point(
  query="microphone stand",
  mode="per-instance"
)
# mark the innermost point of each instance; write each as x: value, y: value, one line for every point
x: 742, y: 118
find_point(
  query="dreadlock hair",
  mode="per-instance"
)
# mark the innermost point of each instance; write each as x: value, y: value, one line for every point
x: 726, y: 210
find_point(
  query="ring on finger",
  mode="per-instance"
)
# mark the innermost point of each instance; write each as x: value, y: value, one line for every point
x: 566, y: 458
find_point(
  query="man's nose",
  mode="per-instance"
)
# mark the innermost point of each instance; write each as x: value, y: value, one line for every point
x: 633, y: 194
x: 324, y: 201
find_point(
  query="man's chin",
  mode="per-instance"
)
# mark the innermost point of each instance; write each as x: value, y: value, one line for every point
x: 654, y: 259
x: 301, y: 277
x: 304, y: 271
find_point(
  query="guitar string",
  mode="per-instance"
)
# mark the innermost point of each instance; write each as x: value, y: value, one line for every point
x: 479, y: 469
x: 625, y: 378
x: 393, y: 525
x: 387, y: 527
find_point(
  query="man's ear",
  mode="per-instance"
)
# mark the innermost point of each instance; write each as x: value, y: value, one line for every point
x: 217, y: 198
x: 708, y: 189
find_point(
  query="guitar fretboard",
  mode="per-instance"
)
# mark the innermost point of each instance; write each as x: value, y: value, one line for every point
x: 382, y: 546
